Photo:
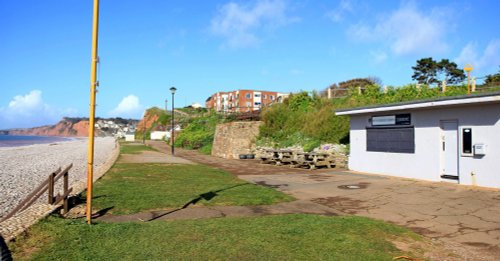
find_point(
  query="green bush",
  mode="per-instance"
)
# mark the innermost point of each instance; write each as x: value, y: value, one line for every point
x: 309, y: 120
x: 199, y: 133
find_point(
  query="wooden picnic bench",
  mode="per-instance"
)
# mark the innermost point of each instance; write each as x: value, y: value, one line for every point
x: 311, y: 160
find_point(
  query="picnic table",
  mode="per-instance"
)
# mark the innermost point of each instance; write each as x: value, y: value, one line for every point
x: 311, y: 160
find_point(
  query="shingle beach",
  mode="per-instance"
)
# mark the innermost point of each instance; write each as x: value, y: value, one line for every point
x: 23, y: 168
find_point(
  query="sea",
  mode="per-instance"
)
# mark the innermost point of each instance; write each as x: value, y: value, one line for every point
x: 19, y: 140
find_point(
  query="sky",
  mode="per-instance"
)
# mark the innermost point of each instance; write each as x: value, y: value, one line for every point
x: 202, y: 47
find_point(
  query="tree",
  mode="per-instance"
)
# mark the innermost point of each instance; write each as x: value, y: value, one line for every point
x: 492, y: 79
x: 452, y: 73
x: 427, y: 71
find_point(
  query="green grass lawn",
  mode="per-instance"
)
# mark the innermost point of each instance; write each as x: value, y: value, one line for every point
x: 282, y: 237
x: 131, y: 188
x: 134, y: 148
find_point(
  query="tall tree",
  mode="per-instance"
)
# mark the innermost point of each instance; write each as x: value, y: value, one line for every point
x: 427, y: 71
x: 451, y: 72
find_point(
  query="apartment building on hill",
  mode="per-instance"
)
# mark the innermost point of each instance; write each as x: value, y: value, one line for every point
x: 243, y: 100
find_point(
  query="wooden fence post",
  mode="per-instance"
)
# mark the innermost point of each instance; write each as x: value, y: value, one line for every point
x: 51, y: 188
x: 443, y: 86
x: 65, y: 187
x: 473, y: 84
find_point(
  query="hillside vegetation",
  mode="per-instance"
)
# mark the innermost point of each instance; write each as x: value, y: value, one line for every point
x: 310, y: 120
x: 304, y: 119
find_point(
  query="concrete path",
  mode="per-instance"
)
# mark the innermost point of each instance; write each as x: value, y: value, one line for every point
x: 200, y: 212
x: 152, y: 157
x: 466, y: 219
x: 467, y: 216
x: 233, y: 166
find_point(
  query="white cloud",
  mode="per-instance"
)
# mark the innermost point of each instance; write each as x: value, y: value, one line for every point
x: 239, y: 24
x: 129, y: 107
x: 488, y: 61
x: 29, y: 110
x: 407, y: 30
x: 338, y: 14
x: 378, y: 57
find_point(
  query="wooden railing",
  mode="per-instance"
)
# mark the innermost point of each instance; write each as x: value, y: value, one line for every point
x: 49, y: 185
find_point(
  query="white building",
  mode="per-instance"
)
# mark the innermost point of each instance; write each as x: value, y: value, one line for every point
x: 130, y: 136
x: 158, y: 135
x: 455, y: 139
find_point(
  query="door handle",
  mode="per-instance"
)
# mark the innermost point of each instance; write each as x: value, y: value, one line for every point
x: 444, y: 147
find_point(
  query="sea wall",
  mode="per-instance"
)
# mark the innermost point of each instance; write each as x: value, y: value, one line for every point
x: 234, y: 138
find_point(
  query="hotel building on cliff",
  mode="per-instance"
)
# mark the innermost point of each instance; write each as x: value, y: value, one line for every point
x: 243, y: 100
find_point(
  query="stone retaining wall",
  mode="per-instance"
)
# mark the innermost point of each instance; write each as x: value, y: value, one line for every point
x: 234, y: 138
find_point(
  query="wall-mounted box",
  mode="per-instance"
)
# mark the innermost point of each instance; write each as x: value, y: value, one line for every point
x: 479, y: 149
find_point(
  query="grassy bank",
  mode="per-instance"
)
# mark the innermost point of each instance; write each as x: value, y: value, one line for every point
x: 131, y: 188
x: 285, y: 237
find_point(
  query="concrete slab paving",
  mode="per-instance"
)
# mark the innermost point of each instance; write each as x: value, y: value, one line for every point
x: 152, y: 157
x: 453, y: 213
x: 201, y: 212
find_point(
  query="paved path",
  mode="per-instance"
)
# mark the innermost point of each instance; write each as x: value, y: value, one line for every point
x: 295, y: 207
x: 233, y: 166
x: 467, y: 216
x: 152, y: 157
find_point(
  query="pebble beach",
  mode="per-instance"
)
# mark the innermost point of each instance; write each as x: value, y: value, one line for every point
x: 23, y: 168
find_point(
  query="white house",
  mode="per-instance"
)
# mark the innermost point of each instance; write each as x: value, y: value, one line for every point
x: 130, y: 136
x: 158, y: 135
x: 455, y: 139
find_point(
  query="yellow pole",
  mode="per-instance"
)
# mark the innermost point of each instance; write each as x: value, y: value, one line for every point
x: 468, y: 68
x: 468, y: 82
x: 93, y: 85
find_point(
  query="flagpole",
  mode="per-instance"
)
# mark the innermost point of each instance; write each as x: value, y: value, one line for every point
x: 93, y: 86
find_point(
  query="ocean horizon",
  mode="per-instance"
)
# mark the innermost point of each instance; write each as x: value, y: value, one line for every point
x: 25, y: 140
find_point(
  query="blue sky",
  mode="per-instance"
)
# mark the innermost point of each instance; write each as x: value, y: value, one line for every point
x: 202, y: 47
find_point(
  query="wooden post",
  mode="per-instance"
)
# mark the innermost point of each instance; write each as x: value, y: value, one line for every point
x: 473, y: 84
x: 51, y: 188
x: 359, y: 89
x: 443, y: 86
x: 329, y: 93
x: 65, y: 189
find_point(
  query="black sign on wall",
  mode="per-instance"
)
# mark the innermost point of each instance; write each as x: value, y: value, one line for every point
x: 403, y: 119
x: 391, y: 120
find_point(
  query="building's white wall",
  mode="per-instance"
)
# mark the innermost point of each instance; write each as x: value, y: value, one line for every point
x: 425, y: 163
x: 129, y: 137
x: 158, y: 135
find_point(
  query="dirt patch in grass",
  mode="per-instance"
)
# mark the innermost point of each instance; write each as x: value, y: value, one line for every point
x: 343, y: 204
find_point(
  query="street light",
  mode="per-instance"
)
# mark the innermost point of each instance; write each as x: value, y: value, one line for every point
x: 166, y: 122
x: 172, y: 89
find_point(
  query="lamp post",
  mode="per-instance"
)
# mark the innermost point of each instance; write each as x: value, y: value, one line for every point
x: 172, y: 89
x: 166, y: 122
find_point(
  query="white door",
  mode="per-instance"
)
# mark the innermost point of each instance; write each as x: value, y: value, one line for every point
x: 449, y: 148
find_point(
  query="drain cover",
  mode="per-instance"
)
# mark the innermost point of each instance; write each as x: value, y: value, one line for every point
x: 354, y: 186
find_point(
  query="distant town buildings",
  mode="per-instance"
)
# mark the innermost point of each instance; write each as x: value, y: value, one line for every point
x: 119, y: 129
x: 243, y: 100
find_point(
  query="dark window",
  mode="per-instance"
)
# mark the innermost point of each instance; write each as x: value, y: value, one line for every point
x: 392, y: 139
x: 467, y: 140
